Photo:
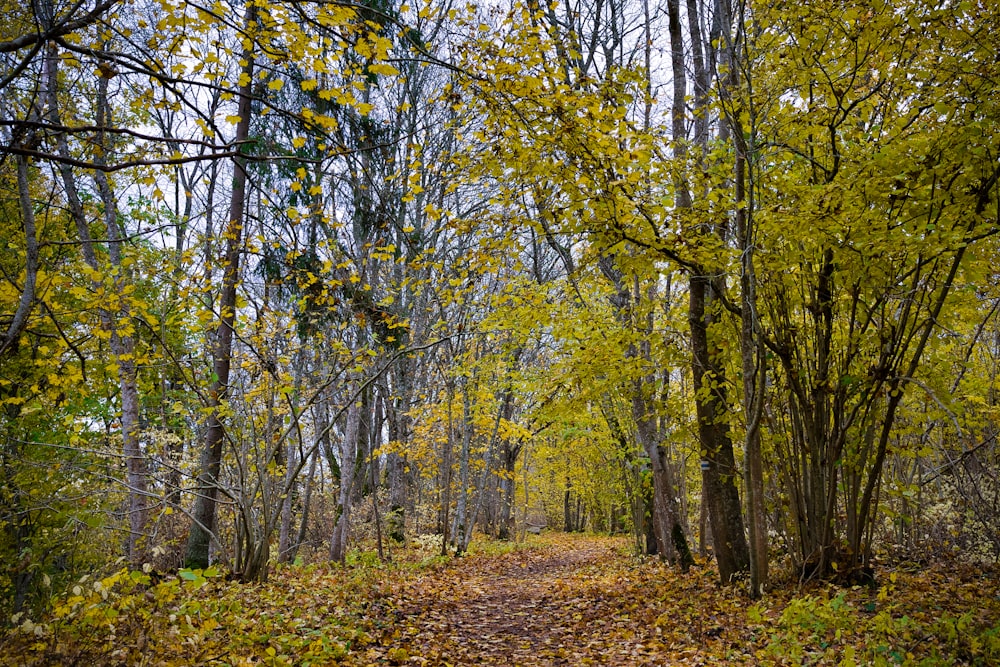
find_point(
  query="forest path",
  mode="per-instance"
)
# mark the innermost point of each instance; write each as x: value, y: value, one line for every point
x: 562, y: 600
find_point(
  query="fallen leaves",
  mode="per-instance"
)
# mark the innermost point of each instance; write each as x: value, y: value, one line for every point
x: 556, y: 600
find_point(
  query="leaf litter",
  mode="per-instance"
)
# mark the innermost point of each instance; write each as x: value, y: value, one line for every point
x: 555, y: 599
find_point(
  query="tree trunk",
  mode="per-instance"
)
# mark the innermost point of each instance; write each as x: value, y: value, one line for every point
x: 649, y: 527
x: 395, y: 461
x: 293, y: 466
x: 753, y: 363
x: 719, y: 473
x: 446, y: 465
x: 462, y: 530
x: 396, y: 519
x: 121, y: 341
x: 20, y: 320
x: 348, y: 462
x: 666, y: 515
x: 397, y: 412
x: 285, y: 527
x: 300, y: 535
x: 567, y: 515
x: 203, y: 514
x: 508, y: 453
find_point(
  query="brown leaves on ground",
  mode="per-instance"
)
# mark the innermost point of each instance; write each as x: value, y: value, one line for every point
x: 568, y: 600
x: 556, y: 600
x: 575, y: 600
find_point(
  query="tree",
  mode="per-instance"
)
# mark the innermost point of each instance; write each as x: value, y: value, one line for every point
x: 204, y: 511
x: 849, y: 322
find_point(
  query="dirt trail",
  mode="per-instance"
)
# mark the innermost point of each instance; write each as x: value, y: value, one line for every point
x: 568, y: 603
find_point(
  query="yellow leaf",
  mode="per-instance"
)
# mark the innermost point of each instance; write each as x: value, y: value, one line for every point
x: 276, y: 84
x: 383, y: 68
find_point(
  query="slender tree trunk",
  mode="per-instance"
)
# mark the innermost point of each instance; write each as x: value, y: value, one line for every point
x: 300, y: 536
x: 446, y: 465
x: 754, y: 375
x: 396, y: 519
x: 373, y: 471
x: 567, y: 515
x: 348, y: 463
x: 117, y: 321
x: 285, y: 527
x: 462, y: 529
x: 653, y: 540
x: 207, y: 488
x: 397, y: 412
x: 123, y: 344
x: 751, y: 349
x: 293, y: 466
x: 666, y: 518
x: 20, y: 320
x: 509, y: 453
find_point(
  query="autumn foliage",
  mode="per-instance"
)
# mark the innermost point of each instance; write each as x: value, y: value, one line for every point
x: 422, y: 332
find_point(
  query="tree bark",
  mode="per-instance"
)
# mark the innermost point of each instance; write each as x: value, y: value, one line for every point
x: 20, y: 320
x: 567, y: 514
x: 446, y: 466
x: 349, y: 446
x: 300, y: 535
x: 718, y: 472
x: 116, y: 321
x: 752, y: 355
x: 462, y: 530
x: 207, y: 487
x: 123, y: 346
x: 508, y: 456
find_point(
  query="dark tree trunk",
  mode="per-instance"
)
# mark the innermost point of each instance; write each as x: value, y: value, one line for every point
x: 719, y: 472
x: 567, y: 511
x: 207, y: 489
x: 508, y: 454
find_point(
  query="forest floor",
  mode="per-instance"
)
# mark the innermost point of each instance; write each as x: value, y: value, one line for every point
x: 569, y: 601
x: 552, y: 600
